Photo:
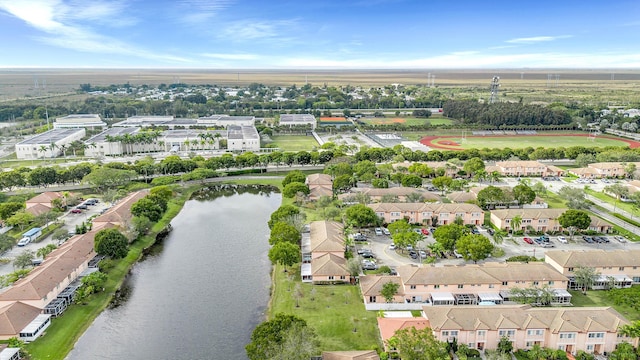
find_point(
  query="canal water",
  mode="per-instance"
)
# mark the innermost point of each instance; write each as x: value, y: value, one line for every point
x: 201, y: 293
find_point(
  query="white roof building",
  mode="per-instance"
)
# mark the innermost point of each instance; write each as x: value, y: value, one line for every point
x: 298, y: 119
x: 243, y: 138
x: 48, y: 144
x: 79, y: 121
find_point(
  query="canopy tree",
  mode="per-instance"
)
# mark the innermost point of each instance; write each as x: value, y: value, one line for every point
x: 268, y: 338
x: 360, y: 215
x: 284, y: 253
x: 112, y: 243
x: 448, y: 235
x: 418, y: 344
x: 573, y: 220
x: 474, y: 247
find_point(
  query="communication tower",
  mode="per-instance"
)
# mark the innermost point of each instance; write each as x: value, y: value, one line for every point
x: 495, y: 84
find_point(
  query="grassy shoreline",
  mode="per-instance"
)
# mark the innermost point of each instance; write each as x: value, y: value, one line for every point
x: 65, y: 331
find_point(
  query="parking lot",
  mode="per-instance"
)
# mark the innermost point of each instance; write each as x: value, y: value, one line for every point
x: 381, y: 254
x: 70, y: 221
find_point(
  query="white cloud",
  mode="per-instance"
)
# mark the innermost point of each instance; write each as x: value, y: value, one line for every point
x: 536, y: 39
x: 198, y: 12
x: 250, y: 30
x: 231, y: 56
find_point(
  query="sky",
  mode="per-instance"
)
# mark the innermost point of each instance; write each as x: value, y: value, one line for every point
x: 313, y: 34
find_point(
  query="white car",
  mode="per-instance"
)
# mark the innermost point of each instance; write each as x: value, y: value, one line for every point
x: 379, y: 231
x: 562, y: 239
x: 392, y: 247
x: 386, y: 231
x: 24, y: 241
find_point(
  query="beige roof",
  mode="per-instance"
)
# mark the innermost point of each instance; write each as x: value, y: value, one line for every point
x: 422, y: 207
x: 371, y: 285
x: 389, y: 326
x: 528, y: 213
x: 120, y: 213
x: 520, y: 164
x: 607, y: 165
x: 350, y: 355
x: 594, y: 258
x: 319, y: 179
x: 398, y: 191
x: 16, y: 316
x: 38, y: 208
x: 524, y: 317
x: 329, y: 264
x: 326, y: 236
x: 476, y: 274
x: 584, y: 171
x: 555, y: 169
x: 45, y: 198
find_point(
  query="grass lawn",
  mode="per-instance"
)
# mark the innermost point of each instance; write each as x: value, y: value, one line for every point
x: 608, y: 199
x: 599, y: 298
x: 515, y: 142
x: 295, y: 142
x: 67, y: 329
x: 439, y: 120
x: 554, y: 200
x: 336, y: 312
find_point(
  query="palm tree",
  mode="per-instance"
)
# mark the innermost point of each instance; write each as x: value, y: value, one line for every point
x: 42, y: 149
x: 516, y: 221
x: 64, y: 148
x: 499, y: 236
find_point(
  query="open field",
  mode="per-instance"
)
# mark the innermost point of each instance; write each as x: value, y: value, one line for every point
x: 584, y: 84
x: 523, y: 141
x: 294, y: 142
x: 406, y: 121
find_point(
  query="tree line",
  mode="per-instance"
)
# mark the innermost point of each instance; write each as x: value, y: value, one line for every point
x: 504, y: 113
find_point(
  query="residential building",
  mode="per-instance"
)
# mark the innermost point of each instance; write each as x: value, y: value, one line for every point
x: 429, y: 213
x: 525, y: 168
x: 389, y: 325
x: 49, y: 144
x: 42, y: 203
x: 297, y: 119
x: 462, y: 197
x: 401, y: 193
x: 15, y: 316
x: 440, y: 167
x: 79, y: 121
x: 590, y: 329
x: 540, y: 219
x: 319, y: 185
x: 323, y: 250
x: 243, y: 138
x: 604, y: 170
x: 469, y: 284
x: 619, y: 268
x: 120, y: 213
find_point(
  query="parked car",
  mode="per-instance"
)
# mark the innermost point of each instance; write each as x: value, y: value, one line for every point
x: 424, y: 231
x: 359, y: 237
x: 588, y: 239
x: 562, y: 239
x: 620, y: 239
x: 474, y: 230
x: 24, y: 241
x: 413, y: 254
x: 528, y: 240
x: 547, y: 245
x: 368, y: 254
x: 491, y: 231
x: 368, y: 265
x: 378, y: 231
x: 457, y: 254
x: 393, y: 271
x: 422, y: 253
x: 82, y: 206
x: 392, y: 247
x: 409, y: 247
x: 386, y: 231
x: 76, y: 211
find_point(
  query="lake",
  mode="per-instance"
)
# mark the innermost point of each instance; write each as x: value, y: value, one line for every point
x: 200, y: 293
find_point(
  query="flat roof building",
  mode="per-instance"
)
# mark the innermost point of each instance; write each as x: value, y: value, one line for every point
x: 243, y: 138
x: 79, y: 121
x: 48, y: 144
x: 108, y: 142
x: 298, y: 119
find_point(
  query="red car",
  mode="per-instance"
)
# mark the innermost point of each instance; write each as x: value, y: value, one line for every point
x: 425, y: 232
x: 76, y: 211
x: 528, y: 240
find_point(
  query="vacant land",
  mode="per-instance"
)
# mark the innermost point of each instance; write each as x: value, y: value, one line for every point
x: 523, y: 141
x: 295, y: 142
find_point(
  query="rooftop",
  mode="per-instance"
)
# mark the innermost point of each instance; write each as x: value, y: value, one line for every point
x: 117, y: 131
x: 51, y: 136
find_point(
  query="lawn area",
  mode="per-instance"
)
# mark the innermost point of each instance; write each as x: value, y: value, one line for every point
x: 336, y: 312
x: 554, y: 200
x: 515, y: 142
x: 599, y: 298
x: 608, y: 199
x: 438, y: 120
x: 295, y: 142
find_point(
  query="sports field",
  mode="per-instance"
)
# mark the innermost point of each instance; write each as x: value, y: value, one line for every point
x: 406, y: 121
x: 295, y: 142
x: 523, y: 141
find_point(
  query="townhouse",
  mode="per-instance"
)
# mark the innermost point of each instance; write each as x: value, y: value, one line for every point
x: 619, y: 268
x: 400, y: 193
x: 42, y: 203
x: 489, y: 283
x: 590, y: 329
x: 323, y: 248
x: 540, y: 219
x: 120, y: 213
x: 319, y: 185
x: 440, y: 167
x: 429, y: 213
x: 524, y: 169
x: 604, y: 170
x: 472, y: 196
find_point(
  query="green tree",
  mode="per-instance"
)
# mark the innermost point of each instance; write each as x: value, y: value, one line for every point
x: 474, y: 247
x: 46, y: 250
x: 403, y: 239
x: 631, y: 330
x: 104, y: 178
x: 300, y: 343
x: 473, y: 165
x: 380, y: 183
x: 584, y: 159
x: 291, y: 189
x: 20, y: 219
x: 574, y: 197
x: 623, y: 351
x: 490, y: 196
x: 619, y: 191
x: 163, y: 192
x: 448, y: 235
x: 284, y: 232
x: 412, y: 181
x: 141, y: 224
x: 268, y: 337
x: 389, y: 290
x: 499, y: 235
x: 442, y: 183
x: 8, y: 209
x: 418, y: 345
x: 505, y: 346
x: 294, y: 176
x: 343, y: 183
x: 585, y: 277
x: 360, y: 215
x: 523, y: 194
x: 148, y: 208
x: 112, y: 243
x: 6, y: 242
x: 24, y: 259
x: 573, y: 220
x: 399, y: 226
x: 284, y: 253
x: 515, y: 223
x: 283, y: 213
x: 42, y: 176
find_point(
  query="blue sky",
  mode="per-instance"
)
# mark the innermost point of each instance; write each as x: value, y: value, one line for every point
x: 286, y: 34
